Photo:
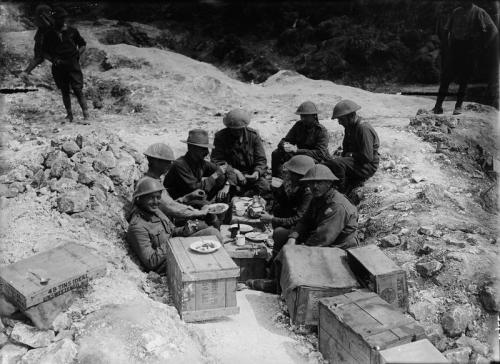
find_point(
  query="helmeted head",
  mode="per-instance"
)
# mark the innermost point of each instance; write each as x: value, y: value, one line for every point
x: 198, y: 143
x: 296, y: 167
x: 59, y: 15
x: 345, y: 111
x: 43, y: 16
x: 160, y: 157
x: 236, y: 119
x: 319, y: 179
x: 308, y: 111
x: 147, y: 194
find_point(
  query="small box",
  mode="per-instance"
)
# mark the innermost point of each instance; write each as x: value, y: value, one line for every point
x: 380, y: 274
x: 421, y: 351
x: 66, y: 267
x: 203, y: 286
x: 310, y: 273
x: 355, y: 326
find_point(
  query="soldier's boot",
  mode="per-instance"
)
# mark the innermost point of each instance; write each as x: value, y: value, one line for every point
x: 83, y: 104
x: 438, y: 108
x: 67, y: 105
x: 460, y: 100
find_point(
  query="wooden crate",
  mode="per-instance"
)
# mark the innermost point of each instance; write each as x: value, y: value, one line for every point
x: 380, y: 274
x: 203, y: 286
x: 67, y: 267
x: 355, y: 326
x: 421, y: 351
x: 311, y: 273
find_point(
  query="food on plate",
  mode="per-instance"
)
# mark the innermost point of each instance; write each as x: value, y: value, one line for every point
x: 205, y: 246
x: 217, y: 208
x: 257, y: 236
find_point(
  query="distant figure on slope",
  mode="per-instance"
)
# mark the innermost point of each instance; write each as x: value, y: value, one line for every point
x: 240, y: 147
x: 44, y: 21
x: 191, y: 172
x: 149, y: 229
x: 359, y: 159
x: 306, y: 137
x: 469, y: 33
x: 63, y: 45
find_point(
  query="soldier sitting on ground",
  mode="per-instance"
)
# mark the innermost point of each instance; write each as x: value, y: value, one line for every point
x: 240, y: 147
x: 63, y: 45
x: 359, y: 158
x: 291, y: 200
x: 306, y: 137
x: 149, y: 228
x: 192, y: 172
x: 330, y: 221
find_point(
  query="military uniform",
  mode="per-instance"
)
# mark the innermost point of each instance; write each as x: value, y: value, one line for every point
x: 289, y: 209
x: 187, y: 175
x: 148, y: 235
x: 245, y: 154
x: 310, y: 139
x: 329, y: 221
x: 360, y: 157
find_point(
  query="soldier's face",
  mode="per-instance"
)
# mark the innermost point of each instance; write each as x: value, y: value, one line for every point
x: 149, y: 202
x: 346, y: 119
x: 163, y: 166
x: 308, y: 118
x: 198, y: 153
x: 319, y: 188
x: 236, y: 132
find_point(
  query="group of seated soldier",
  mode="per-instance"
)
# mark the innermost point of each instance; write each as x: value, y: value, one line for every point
x: 309, y: 206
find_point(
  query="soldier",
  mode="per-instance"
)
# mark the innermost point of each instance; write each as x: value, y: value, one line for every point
x: 160, y: 158
x: 330, y: 221
x: 359, y: 158
x: 63, y: 45
x: 149, y: 229
x: 469, y: 32
x: 240, y: 147
x: 44, y: 21
x: 306, y: 137
x: 292, y: 199
x: 192, y: 172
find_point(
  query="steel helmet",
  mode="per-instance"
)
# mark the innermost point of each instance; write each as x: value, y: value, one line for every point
x: 160, y: 151
x: 236, y: 119
x: 299, y: 164
x: 43, y: 15
x: 344, y: 107
x: 319, y: 172
x: 307, y: 108
x: 147, y: 185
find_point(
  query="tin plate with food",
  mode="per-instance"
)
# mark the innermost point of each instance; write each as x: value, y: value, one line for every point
x: 256, y: 236
x: 244, y: 228
x: 217, y: 208
x: 205, y: 246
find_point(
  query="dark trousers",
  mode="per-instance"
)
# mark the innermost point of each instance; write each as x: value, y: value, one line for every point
x: 69, y: 75
x: 278, y: 158
x: 458, y: 66
x: 348, y: 173
x: 259, y: 187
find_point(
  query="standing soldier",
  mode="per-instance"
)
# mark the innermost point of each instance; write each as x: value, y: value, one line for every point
x: 359, y: 158
x: 44, y: 21
x: 192, y: 172
x: 63, y: 45
x: 240, y: 147
x: 306, y: 137
x: 469, y: 32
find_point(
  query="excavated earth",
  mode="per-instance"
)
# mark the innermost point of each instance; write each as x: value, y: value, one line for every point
x: 434, y: 212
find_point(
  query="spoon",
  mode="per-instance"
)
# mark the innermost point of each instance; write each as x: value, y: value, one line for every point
x: 43, y: 281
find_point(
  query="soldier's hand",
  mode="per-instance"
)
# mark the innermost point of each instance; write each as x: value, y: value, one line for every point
x: 222, y: 194
x: 241, y: 178
x: 252, y: 177
x: 338, y: 152
x: 223, y: 168
x: 266, y: 218
x: 291, y: 241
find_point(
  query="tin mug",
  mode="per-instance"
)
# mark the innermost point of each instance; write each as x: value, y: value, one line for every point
x: 240, y: 240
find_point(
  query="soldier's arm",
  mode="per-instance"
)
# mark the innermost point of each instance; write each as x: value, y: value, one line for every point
x: 301, y: 210
x: 365, y: 141
x: 260, y: 160
x: 218, y: 154
x: 172, y: 208
x: 291, y: 136
x: 329, y: 228
x: 303, y: 225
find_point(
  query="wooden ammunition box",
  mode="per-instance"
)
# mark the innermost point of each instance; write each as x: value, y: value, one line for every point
x: 311, y: 273
x: 203, y: 286
x: 355, y: 326
x: 421, y: 351
x: 66, y: 267
x: 252, y: 262
x: 380, y: 274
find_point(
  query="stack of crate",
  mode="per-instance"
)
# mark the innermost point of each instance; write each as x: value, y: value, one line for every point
x: 369, y: 326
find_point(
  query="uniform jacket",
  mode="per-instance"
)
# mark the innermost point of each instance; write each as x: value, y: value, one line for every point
x: 246, y: 154
x: 362, y: 140
x: 310, y: 139
x: 329, y: 221
x: 473, y: 24
x: 63, y: 44
x: 186, y: 175
x: 290, y: 209
x: 148, y: 235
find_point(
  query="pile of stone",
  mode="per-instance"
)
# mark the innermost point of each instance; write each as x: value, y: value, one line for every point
x: 78, y: 173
